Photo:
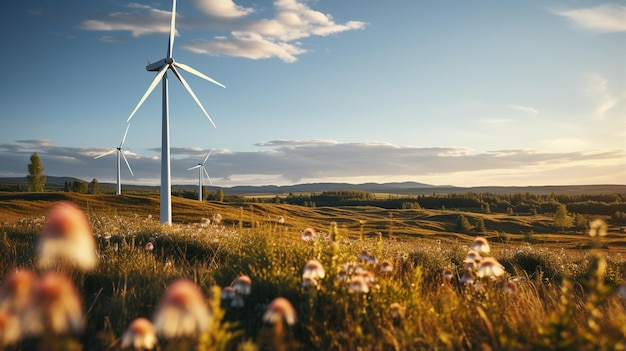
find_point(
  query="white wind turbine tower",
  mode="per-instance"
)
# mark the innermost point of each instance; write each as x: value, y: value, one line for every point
x: 201, y: 173
x: 119, y: 152
x: 162, y: 66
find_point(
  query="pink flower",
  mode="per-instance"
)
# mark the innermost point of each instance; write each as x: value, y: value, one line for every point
x: 480, y: 245
x: 278, y: 310
x: 386, y: 266
x: 490, y: 267
x: 242, y: 285
x: 55, y: 306
x: 358, y: 285
x: 149, y: 246
x: 447, y: 275
x: 467, y: 277
x: 228, y: 293
x: 314, y: 270
x: 67, y: 238
x: 308, y: 234
x: 396, y: 310
x: 140, y: 335
x: 182, y: 311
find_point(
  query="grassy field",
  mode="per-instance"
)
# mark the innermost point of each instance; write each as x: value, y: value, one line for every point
x: 560, y: 289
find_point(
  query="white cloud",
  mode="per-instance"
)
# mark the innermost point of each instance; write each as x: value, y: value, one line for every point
x: 247, y: 45
x: 525, y: 109
x: 600, y: 92
x: 277, y: 36
x: 141, y: 21
x: 606, y: 18
x: 222, y: 8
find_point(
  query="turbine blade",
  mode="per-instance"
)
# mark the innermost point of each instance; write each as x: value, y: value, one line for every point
x: 154, y: 83
x: 194, y: 167
x: 172, y: 30
x: 127, y: 164
x: 124, y: 138
x: 207, y: 175
x: 108, y: 153
x: 182, y: 80
x: 189, y: 69
x: 206, y: 158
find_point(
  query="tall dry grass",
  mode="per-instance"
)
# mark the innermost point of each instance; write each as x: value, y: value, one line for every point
x: 548, y: 299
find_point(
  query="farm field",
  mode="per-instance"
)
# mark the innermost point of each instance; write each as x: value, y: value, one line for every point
x: 559, y: 289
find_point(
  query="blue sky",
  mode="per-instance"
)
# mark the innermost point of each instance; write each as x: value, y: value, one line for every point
x: 440, y: 92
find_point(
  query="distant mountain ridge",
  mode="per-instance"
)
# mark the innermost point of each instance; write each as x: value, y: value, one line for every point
x: 408, y: 188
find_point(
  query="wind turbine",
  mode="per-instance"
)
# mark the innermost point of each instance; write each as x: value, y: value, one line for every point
x: 119, y: 152
x: 201, y: 173
x: 162, y: 66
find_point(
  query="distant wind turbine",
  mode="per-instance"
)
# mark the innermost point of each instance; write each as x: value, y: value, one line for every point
x: 162, y: 66
x: 201, y: 173
x: 119, y: 152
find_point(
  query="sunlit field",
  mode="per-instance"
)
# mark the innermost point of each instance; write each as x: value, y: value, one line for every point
x: 350, y: 278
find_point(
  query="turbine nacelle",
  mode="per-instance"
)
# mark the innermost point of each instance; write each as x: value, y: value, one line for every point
x: 156, y: 66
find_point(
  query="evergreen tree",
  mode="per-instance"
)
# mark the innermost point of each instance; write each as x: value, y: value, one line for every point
x: 463, y: 225
x: 480, y: 226
x: 561, y: 219
x: 35, y: 177
x: 80, y: 186
x: 94, y: 186
x: 219, y: 195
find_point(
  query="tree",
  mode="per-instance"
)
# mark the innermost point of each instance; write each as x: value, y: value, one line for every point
x: 219, y: 195
x: 80, y: 186
x: 94, y: 186
x: 35, y: 177
x: 480, y: 226
x: 561, y: 219
x: 463, y: 225
x: 67, y: 187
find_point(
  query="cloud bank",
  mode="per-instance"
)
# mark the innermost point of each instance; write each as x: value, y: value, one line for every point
x: 248, y: 36
x: 281, y: 162
x: 607, y: 18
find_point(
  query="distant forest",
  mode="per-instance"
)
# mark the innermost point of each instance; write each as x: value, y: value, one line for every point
x: 518, y: 203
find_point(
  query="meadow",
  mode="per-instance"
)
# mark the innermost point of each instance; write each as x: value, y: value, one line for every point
x: 392, y: 279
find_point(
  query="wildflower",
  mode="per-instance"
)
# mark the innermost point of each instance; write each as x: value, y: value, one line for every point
x: 278, y: 310
x: 314, y: 270
x: 396, y: 310
x: 242, y: 285
x: 205, y: 222
x: 54, y: 306
x: 149, y: 246
x: 480, y: 245
x: 140, y: 335
x: 490, y: 267
x: 308, y: 234
x: 308, y: 282
x: 447, y: 275
x: 228, y: 293
x: 598, y: 228
x: 369, y: 277
x: 510, y: 287
x: 342, y: 275
x: 386, y: 266
x: 217, y: 219
x: 67, y: 237
x: 237, y: 301
x: 364, y: 256
x: 15, y: 290
x: 473, y: 255
x: 358, y: 284
x: 280, y: 220
x: 467, y: 277
x: 182, y: 311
